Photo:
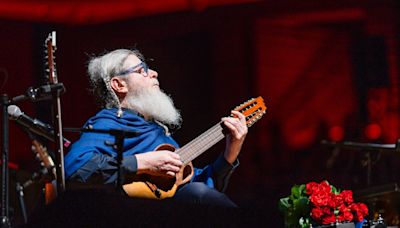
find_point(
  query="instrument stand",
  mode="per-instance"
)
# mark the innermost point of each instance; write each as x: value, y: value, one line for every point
x: 5, y: 220
x: 58, y: 138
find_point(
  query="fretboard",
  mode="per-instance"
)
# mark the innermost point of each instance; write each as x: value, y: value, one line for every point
x: 201, y: 144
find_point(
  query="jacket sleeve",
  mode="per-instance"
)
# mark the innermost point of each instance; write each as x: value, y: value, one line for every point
x: 104, y: 169
x: 217, y: 174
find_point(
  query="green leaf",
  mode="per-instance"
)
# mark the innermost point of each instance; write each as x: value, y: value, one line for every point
x: 295, y: 192
x: 336, y: 212
x: 298, y: 191
x: 335, y: 190
x: 284, y: 204
x: 301, y: 206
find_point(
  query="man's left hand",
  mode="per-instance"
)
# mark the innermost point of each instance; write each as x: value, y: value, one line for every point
x: 238, y: 131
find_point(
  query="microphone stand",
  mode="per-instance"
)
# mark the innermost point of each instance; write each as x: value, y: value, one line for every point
x: 118, y: 146
x: 5, y: 221
x: 20, y: 192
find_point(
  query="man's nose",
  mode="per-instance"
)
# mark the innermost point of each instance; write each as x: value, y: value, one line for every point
x: 153, y: 73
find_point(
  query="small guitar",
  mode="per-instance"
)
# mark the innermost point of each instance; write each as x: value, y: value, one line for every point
x: 50, y: 45
x: 157, y: 187
x: 48, y: 171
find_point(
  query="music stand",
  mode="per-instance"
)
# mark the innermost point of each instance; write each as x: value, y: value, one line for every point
x: 368, y: 147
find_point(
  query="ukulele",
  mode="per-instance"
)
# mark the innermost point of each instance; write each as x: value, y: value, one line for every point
x: 160, y: 187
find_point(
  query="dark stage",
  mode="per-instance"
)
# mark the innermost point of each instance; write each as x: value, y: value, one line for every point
x: 327, y: 70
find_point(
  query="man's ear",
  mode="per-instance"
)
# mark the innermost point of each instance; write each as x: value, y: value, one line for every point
x: 119, y: 85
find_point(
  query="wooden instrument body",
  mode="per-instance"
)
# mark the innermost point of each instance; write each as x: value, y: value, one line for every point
x: 160, y: 187
x: 49, y: 175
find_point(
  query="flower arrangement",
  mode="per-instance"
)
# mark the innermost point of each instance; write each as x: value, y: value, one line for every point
x: 315, y: 204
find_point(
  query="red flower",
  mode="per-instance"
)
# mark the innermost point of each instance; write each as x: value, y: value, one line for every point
x: 328, y: 219
x: 360, y: 210
x: 320, y: 199
x: 324, y: 186
x: 311, y: 188
x: 342, y: 208
x: 339, y: 201
x: 316, y: 213
x: 326, y: 210
x: 333, y: 202
x: 348, y: 216
x: 363, y: 208
x: 327, y: 207
x: 347, y: 196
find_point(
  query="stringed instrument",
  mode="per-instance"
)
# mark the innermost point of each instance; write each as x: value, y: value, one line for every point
x: 48, y: 170
x: 159, y: 187
x: 56, y: 88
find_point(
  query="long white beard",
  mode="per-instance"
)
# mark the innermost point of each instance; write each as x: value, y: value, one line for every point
x: 154, y: 104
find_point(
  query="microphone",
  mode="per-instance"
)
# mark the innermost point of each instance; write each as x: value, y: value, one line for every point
x: 34, y: 125
x: 40, y: 93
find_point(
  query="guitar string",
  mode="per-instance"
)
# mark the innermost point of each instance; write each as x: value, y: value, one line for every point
x: 207, y: 146
x: 192, y: 147
x: 201, y: 143
x: 185, y: 151
x: 199, y: 148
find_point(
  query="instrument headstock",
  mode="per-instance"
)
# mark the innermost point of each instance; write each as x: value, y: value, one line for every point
x: 50, y: 63
x: 252, y: 109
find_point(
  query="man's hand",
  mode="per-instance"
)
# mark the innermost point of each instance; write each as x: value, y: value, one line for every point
x: 161, y: 163
x: 238, y: 131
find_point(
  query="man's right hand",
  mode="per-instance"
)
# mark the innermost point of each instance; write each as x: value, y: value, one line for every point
x: 161, y: 163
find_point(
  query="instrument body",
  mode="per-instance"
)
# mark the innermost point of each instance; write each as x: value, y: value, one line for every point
x: 161, y: 187
x: 48, y: 171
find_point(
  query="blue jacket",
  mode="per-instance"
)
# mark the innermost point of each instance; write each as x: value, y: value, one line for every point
x: 93, y: 147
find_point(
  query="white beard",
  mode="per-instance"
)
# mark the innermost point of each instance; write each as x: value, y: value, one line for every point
x: 154, y: 104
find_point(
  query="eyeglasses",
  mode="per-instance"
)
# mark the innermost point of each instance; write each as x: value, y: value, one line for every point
x: 142, y: 68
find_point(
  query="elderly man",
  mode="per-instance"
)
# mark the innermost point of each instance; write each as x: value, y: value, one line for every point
x: 130, y: 95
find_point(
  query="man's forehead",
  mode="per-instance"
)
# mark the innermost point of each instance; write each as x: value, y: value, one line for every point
x: 132, y: 60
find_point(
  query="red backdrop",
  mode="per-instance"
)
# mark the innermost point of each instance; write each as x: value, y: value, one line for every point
x: 326, y: 71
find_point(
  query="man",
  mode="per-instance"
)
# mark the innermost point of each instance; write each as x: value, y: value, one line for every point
x: 132, y: 100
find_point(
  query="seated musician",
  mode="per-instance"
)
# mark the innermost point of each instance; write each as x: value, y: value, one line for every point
x: 132, y: 100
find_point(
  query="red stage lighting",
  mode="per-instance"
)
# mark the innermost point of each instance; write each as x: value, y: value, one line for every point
x: 336, y: 133
x: 373, y: 131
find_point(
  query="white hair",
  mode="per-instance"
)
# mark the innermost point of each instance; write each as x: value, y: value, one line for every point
x: 102, y: 68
